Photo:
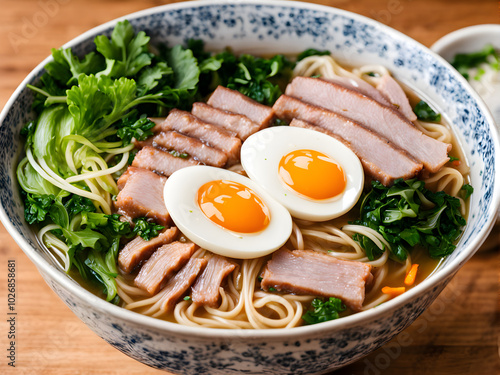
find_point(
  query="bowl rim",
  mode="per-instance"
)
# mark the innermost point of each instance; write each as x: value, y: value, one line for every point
x: 159, y: 325
x: 463, y: 34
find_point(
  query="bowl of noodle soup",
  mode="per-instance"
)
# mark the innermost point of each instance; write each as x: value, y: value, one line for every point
x: 217, y: 340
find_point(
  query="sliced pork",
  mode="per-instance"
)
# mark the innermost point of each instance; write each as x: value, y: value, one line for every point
x: 396, y: 96
x: 172, y: 140
x: 206, y: 289
x: 383, y: 120
x: 162, y: 264
x: 241, y: 125
x: 236, y: 102
x: 314, y: 273
x: 360, y: 85
x: 141, y: 144
x: 380, y: 158
x: 160, y: 161
x: 120, y: 183
x: 142, y: 195
x: 179, y: 284
x: 213, y: 135
x: 139, y: 250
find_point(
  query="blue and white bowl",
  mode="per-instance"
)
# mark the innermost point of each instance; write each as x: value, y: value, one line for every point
x: 269, y: 27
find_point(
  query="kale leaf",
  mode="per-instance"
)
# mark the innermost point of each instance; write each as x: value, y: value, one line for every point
x: 407, y: 214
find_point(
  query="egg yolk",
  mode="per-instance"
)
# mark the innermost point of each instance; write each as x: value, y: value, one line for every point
x: 233, y: 206
x: 312, y: 173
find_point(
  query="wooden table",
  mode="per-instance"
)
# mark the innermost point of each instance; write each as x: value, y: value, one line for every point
x: 458, y: 334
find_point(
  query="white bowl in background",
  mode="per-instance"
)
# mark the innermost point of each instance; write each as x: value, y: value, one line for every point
x: 472, y: 39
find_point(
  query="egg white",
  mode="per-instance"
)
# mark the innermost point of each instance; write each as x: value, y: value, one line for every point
x: 180, y: 196
x: 262, y: 152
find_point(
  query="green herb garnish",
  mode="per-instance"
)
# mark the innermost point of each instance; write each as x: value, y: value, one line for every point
x: 324, y: 310
x: 425, y: 113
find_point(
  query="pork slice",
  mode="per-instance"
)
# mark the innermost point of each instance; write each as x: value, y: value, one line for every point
x: 179, y: 284
x: 142, y: 195
x: 234, y: 122
x: 213, y: 135
x: 206, y: 289
x: 158, y: 123
x: 140, y: 144
x: 396, y: 96
x: 139, y: 250
x: 314, y: 273
x: 380, y: 159
x: 236, y: 102
x: 360, y: 85
x: 161, y: 161
x: 172, y: 140
x: 164, y: 262
x: 120, y: 183
x: 388, y: 123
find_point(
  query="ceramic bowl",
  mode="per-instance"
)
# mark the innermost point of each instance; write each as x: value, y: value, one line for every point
x: 270, y: 27
x: 467, y: 40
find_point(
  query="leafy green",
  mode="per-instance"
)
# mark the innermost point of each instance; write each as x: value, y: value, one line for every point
x: 185, y: 67
x: 31, y: 182
x: 467, y: 190
x: 372, y: 251
x: 312, y: 52
x: 324, y: 310
x: 28, y: 131
x: 255, y: 77
x: 131, y: 127
x: 425, y: 113
x: 97, y: 264
x: 151, y: 76
x: 36, y: 207
x: 407, y: 214
x: 253, y: 74
x: 465, y: 61
x: 53, y: 124
x: 46, y: 90
x: 94, y: 242
x: 197, y: 46
x: 66, y: 67
x: 145, y: 229
x: 126, y: 52
x: 77, y: 204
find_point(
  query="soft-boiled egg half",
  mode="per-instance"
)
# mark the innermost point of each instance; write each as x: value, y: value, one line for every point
x: 313, y: 175
x: 225, y: 212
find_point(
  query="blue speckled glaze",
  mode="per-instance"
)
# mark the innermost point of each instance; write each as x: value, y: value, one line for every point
x: 272, y: 27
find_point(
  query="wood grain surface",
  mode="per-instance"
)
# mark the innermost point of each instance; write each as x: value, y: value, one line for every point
x: 458, y: 334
